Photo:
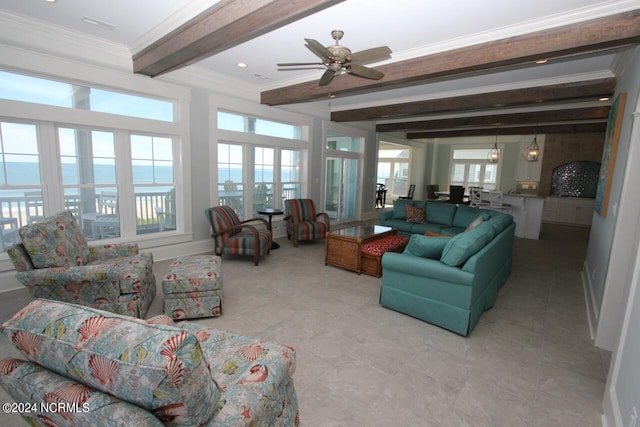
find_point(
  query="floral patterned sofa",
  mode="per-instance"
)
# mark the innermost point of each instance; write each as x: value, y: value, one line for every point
x: 101, y: 368
x: 54, y: 262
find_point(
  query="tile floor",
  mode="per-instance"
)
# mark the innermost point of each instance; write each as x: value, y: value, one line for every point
x: 528, y: 362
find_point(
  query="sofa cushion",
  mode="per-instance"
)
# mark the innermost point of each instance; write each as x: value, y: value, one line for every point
x: 414, y: 214
x: 426, y: 247
x: 160, y: 368
x: 464, y: 216
x: 441, y: 213
x: 461, y: 247
x: 399, y: 209
x: 474, y: 224
x: 28, y: 382
x: 56, y: 241
x: 425, y: 227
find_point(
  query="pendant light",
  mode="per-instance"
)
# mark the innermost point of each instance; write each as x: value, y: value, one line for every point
x: 532, y: 152
x: 494, y: 154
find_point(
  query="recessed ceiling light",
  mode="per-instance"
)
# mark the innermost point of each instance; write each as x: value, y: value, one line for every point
x: 241, y: 65
x: 604, y: 98
x: 98, y: 23
x: 51, y: 1
x: 542, y: 61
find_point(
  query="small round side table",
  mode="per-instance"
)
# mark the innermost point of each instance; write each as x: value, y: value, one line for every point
x: 270, y: 212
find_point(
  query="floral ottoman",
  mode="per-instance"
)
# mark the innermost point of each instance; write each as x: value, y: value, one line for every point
x: 193, y: 287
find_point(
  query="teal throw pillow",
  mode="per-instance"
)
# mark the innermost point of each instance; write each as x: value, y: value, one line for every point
x: 426, y: 247
x: 463, y: 246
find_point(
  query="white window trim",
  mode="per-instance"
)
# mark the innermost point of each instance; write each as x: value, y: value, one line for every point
x: 488, y: 146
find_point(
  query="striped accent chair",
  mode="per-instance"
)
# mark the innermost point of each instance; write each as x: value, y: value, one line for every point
x: 235, y: 237
x: 303, y: 223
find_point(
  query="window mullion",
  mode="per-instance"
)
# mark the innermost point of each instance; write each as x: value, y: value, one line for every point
x: 124, y: 184
x: 50, y: 168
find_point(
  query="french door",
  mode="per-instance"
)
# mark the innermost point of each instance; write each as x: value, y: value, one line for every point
x: 341, y: 188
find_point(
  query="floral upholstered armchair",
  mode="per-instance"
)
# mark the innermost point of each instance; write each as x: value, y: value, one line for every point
x: 303, y: 223
x: 54, y: 262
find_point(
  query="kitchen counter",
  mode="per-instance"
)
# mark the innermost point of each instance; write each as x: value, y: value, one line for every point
x: 527, y: 213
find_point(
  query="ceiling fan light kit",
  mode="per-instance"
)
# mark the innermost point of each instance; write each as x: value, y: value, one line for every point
x: 338, y: 59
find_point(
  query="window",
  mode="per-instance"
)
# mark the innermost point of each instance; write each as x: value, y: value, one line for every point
x: 290, y: 173
x: 20, y: 169
x: 18, y: 87
x: 258, y: 172
x: 263, y: 178
x: 470, y: 167
x: 118, y: 182
x: 230, y: 177
x: 152, y: 160
x: 246, y: 124
x: 88, y: 163
x: 393, y: 168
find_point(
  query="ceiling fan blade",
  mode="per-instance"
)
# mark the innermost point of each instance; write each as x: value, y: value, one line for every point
x: 366, y: 72
x: 297, y: 64
x: 371, y: 55
x: 301, y: 68
x: 327, y: 76
x: 317, y: 48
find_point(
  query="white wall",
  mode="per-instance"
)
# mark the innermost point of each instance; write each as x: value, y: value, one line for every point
x: 609, y: 254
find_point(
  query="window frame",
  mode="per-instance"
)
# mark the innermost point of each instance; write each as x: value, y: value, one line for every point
x: 47, y: 118
x: 482, y: 161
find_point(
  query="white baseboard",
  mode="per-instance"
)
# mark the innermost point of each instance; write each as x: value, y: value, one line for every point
x: 589, y: 298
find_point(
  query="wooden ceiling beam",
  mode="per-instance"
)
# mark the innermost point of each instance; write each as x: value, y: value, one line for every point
x: 520, y: 130
x: 533, y: 117
x: 565, y: 92
x: 598, y: 34
x: 226, y: 24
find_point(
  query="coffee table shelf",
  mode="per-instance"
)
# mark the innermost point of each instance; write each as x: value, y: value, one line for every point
x: 343, y: 248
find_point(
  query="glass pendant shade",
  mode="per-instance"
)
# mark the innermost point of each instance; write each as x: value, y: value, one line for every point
x: 532, y: 151
x: 494, y: 154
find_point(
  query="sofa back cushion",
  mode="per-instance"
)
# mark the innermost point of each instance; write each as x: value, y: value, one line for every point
x: 160, y: 368
x: 463, y: 246
x: 399, y: 209
x: 56, y: 241
x: 426, y: 246
x: 441, y: 213
x: 465, y: 215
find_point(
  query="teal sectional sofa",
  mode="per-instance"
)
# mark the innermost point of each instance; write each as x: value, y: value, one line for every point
x: 447, y: 280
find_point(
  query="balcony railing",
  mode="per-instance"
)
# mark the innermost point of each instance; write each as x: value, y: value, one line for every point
x: 151, y: 209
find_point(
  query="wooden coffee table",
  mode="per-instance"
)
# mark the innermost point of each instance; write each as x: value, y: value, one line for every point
x: 343, y: 248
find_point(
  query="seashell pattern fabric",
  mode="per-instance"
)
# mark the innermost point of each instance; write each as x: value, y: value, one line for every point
x: 193, y: 287
x: 157, y: 367
x: 253, y: 377
x: 240, y: 364
x: 56, y: 241
x: 30, y: 383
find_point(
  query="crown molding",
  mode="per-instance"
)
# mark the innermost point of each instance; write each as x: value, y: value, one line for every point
x: 39, y: 36
x: 183, y: 15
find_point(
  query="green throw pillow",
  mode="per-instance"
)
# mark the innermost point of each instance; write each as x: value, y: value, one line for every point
x: 426, y: 247
x: 463, y: 246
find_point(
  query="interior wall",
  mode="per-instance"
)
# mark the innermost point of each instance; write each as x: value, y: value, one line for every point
x: 564, y: 148
x: 610, y: 244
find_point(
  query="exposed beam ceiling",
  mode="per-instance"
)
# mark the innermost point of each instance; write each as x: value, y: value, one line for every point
x: 513, y: 119
x: 566, y: 92
x: 519, y: 130
x: 588, y: 36
x: 222, y: 26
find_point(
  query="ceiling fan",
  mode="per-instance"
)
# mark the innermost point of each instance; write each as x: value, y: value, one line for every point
x: 339, y: 59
